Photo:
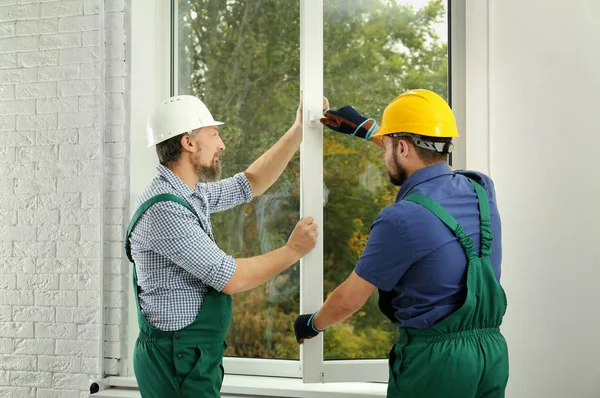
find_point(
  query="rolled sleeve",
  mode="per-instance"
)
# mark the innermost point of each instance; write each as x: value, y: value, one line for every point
x: 224, y: 275
x: 387, y: 254
x: 227, y: 193
x: 175, y: 233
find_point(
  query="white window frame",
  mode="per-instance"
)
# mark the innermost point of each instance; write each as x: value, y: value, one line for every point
x: 151, y: 61
x: 149, y: 49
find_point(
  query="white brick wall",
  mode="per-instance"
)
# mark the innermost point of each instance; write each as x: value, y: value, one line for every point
x: 62, y: 88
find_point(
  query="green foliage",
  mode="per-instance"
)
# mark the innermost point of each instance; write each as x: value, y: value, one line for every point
x: 242, y: 58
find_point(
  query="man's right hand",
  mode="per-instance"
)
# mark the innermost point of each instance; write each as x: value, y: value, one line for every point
x: 304, y: 236
x: 253, y: 271
x: 348, y: 121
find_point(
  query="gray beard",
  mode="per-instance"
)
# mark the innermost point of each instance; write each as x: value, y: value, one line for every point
x: 209, y: 173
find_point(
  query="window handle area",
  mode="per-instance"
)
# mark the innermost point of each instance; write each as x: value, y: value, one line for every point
x: 314, y: 117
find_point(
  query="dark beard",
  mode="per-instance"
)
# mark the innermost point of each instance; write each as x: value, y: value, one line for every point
x: 209, y: 173
x: 399, y: 177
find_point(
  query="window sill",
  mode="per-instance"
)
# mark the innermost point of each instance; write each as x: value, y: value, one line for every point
x: 257, y: 386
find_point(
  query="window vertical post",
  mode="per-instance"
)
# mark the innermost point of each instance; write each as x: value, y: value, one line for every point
x: 457, y: 77
x: 311, y: 175
x: 149, y: 84
x: 477, y: 86
x: 174, y: 46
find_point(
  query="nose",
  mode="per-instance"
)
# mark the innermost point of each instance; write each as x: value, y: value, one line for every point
x: 221, y: 145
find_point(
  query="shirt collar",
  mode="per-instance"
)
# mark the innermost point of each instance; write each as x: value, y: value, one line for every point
x: 421, y: 176
x: 166, y: 174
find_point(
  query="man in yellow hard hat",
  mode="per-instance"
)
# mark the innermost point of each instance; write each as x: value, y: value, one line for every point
x: 182, y: 280
x: 434, y: 255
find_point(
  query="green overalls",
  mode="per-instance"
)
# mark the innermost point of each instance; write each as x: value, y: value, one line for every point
x: 186, y: 362
x: 464, y: 355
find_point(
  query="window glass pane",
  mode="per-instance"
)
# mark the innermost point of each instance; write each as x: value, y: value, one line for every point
x: 373, y: 51
x: 242, y: 58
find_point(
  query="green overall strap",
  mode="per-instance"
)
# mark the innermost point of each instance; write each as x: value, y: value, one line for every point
x: 163, y: 197
x: 167, y: 363
x: 447, y: 218
x: 484, y: 217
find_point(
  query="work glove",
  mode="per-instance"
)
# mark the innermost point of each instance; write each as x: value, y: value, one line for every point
x: 348, y: 121
x: 304, y: 328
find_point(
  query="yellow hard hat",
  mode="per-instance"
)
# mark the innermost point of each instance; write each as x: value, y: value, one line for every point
x: 421, y: 112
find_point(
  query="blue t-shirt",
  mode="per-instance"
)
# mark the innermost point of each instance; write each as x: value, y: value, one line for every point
x: 411, y: 252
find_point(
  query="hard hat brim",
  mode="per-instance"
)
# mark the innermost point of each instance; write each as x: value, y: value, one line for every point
x: 412, y: 129
x: 172, y: 134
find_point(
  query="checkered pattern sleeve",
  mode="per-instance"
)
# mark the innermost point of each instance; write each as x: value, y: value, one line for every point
x: 226, y: 193
x: 174, y: 232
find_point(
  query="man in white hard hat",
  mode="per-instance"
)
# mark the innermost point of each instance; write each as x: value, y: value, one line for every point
x: 183, y: 280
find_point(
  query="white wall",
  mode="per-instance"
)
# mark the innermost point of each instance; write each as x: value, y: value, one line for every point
x: 62, y: 192
x: 545, y: 86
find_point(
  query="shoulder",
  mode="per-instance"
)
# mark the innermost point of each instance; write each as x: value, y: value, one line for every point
x: 410, y: 219
x: 157, y: 187
x: 398, y: 215
x: 481, y: 178
x: 164, y: 207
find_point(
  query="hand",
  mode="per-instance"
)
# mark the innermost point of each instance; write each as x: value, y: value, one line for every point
x: 348, y: 121
x: 304, y: 329
x: 298, y: 121
x: 304, y: 236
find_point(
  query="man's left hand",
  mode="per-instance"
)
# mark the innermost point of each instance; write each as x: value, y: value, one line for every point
x: 303, y: 328
x: 347, y: 120
x: 298, y: 121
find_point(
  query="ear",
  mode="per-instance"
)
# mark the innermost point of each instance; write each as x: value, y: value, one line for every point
x: 187, y: 143
x: 403, y: 149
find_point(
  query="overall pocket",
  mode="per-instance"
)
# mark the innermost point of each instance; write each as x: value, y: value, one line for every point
x: 395, y: 362
x: 206, y: 376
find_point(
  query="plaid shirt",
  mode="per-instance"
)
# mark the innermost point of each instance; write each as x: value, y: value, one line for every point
x: 175, y: 259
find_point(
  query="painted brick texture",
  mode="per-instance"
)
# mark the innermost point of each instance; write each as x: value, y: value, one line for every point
x: 63, y: 190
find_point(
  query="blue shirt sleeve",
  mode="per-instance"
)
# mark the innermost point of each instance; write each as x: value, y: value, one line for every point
x: 387, y: 254
x: 226, y: 193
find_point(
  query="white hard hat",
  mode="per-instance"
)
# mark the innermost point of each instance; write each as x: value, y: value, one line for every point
x: 175, y: 116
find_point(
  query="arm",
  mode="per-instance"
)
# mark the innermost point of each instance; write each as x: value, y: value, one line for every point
x: 259, y: 177
x: 174, y: 232
x: 384, y: 261
x: 348, y: 298
x: 226, y: 193
x: 267, y: 168
x: 345, y: 300
x: 254, y: 271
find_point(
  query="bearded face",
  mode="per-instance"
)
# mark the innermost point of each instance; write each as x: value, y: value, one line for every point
x: 206, y: 159
x: 208, y: 172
